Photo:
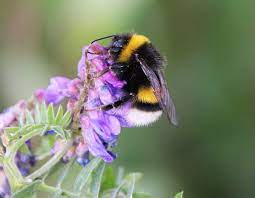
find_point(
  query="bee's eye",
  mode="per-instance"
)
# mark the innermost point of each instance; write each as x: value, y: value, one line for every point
x: 118, y: 44
x: 115, y: 49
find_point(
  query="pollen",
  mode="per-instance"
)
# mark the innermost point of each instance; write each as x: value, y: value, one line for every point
x: 135, y: 42
x: 146, y: 95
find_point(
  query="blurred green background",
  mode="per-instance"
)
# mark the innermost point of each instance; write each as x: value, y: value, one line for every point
x: 210, y: 47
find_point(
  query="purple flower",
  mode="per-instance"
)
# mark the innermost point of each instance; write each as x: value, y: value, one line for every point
x: 5, y: 191
x: 84, y: 159
x: 56, y: 91
x: 25, y: 161
x: 100, y: 129
x: 11, y: 115
x: 95, y: 143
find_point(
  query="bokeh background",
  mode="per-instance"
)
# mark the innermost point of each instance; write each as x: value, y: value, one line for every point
x: 210, y: 47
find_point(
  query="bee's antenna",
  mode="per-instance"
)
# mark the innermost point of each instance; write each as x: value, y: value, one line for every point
x: 99, y: 39
x: 103, y: 38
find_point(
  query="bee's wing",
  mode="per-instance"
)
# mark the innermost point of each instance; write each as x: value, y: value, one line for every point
x: 159, y: 85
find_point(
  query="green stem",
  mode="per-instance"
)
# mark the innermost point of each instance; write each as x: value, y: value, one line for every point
x: 52, y: 162
x: 12, y: 172
x: 83, y: 96
x: 43, y: 156
x: 13, y: 148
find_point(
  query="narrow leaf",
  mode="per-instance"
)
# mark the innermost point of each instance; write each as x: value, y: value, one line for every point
x: 127, y: 184
x: 21, y: 121
x: 59, y: 115
x: 96, y: 180
x: 43, y: 112
x: 109, y: 177
x: 179, y: 195
x: 141, y: 195
x: 120, y: 175
x: 37, y: 113
x: 137, y: 176
x: 29, y: 118
x: 64, y: 173
x: 66, y: 119
x: 84, y: 175
x: 11, y: 130
x: 60, y: 132
x: 50, y: 114
x: 131, y: 186
x: 21, y: 131
x: 115, y: 192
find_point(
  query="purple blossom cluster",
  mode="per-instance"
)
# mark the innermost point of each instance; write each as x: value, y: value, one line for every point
x: 99, y: 129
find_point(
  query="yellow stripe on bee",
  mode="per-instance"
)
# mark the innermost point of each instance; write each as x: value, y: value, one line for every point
x: 146, y: 95
x: 134, y: 43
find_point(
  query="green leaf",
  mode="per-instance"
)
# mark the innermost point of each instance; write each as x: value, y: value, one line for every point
x: 83, y: 176
x: 21, y: 121
x: 127, y: 184
x: 29, y: 118
x: 179, y: 195
x: 120, y: 175
x: 97, y: 176
x: 137, y: 176
x: 50, y: 114
x: 43, y: 113
x: 65, y: 172
x: 66, y: 119
x: 28, y: 191
x: 38, y: 118
x: 131, y: 186
x: 141, y: 195
x: 14, y: 134
x: 108, y: 181
x: 59, y: 115
x: 60, y: 132
x: 11, y: 130
x: 109, y: 194
x: 24, y: 149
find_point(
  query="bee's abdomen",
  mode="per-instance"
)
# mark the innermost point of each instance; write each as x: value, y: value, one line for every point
x: 146, y: 94
x: 138, y: 117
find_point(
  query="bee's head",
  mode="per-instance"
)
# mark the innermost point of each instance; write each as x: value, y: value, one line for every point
x: 118, y: 43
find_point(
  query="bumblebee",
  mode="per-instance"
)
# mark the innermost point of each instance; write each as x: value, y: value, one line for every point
x: 140, y: 64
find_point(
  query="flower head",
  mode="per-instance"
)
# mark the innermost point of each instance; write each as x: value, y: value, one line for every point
x: 99, y: 128
x: 11, y: 115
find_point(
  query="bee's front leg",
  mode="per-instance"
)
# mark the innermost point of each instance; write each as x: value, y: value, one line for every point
x: 117, y: 68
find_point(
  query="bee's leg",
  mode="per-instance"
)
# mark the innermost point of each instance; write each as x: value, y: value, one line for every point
x: 117, y: 103
x: 118, y: 68
x: 113, y: 105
